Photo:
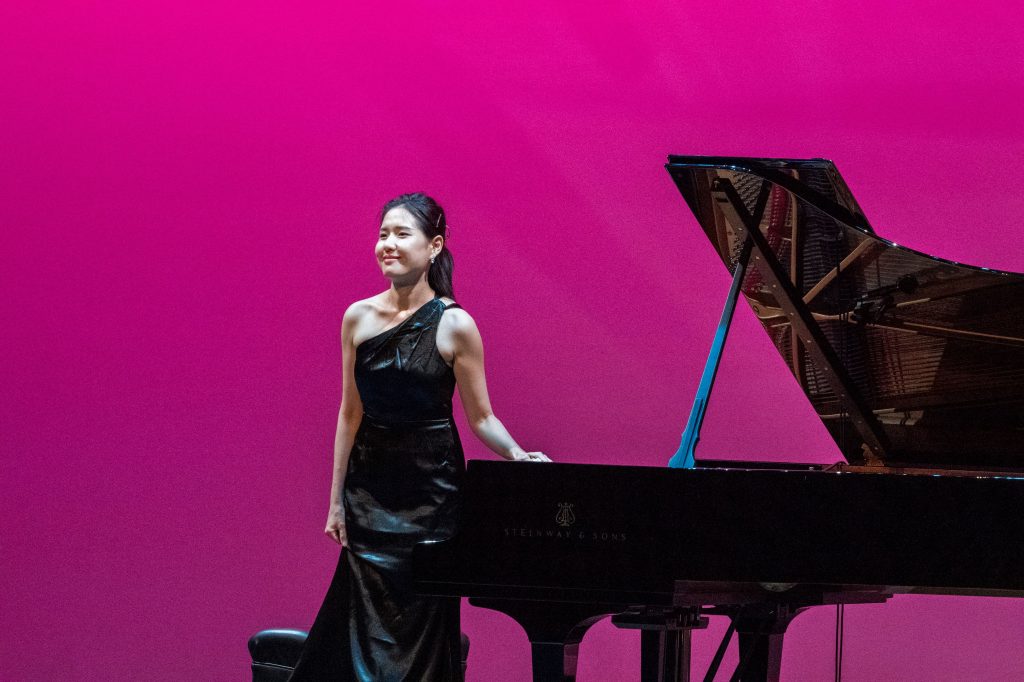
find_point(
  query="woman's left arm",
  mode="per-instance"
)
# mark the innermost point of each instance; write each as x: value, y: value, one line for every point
x: 469, y: 374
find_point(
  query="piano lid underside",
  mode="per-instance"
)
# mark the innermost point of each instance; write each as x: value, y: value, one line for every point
x: 935, y: 349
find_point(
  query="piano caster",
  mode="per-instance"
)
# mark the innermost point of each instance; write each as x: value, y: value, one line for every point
x: 664, y: 640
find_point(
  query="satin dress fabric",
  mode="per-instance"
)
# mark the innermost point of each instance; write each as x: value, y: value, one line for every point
x: 402, y: 487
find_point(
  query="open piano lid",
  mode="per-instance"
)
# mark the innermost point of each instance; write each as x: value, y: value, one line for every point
x: 909, y: 360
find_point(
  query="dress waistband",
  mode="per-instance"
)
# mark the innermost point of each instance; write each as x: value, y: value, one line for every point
x: 404, y: 423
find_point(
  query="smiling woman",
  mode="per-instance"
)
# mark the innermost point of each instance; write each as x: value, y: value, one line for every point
x: 413, y: 229
x: 398, y: 460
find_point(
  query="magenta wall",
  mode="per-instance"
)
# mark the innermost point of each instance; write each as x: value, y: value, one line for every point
x: 188, y: 199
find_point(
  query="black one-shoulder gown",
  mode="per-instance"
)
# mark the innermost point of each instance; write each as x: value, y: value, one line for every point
x: 402, y: 487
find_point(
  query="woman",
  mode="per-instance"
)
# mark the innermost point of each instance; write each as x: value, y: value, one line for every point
x: 398, y: 461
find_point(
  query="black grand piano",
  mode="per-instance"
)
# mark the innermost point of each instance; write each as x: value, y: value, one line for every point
x: 916, y: 367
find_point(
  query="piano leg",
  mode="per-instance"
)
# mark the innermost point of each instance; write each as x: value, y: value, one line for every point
x: 555, y: 632
x: 761, y: 628
x: 554, y: 661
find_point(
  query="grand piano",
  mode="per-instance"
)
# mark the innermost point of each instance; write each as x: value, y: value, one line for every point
x: 914, y: 364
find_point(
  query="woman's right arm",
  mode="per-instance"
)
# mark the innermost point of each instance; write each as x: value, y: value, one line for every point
x: 349, y: 416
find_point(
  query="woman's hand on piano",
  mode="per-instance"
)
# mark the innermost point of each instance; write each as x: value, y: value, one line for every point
x: 521, y: 455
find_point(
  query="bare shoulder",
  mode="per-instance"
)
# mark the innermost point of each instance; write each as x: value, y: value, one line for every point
x: 456, y: 334
x: 359, y: 311
x: 456, y: 320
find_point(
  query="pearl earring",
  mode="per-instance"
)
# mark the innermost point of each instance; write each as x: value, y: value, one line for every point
x: 431, y: 259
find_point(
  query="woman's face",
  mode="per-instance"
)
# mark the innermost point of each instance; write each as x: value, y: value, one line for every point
x: 403, y: 250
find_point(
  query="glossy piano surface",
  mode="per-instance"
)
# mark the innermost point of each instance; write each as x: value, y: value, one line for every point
x: 625, y: 534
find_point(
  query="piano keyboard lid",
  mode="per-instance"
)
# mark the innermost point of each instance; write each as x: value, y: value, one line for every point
x: 909, y: 360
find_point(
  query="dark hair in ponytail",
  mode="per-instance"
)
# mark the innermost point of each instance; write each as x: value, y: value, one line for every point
x: 430, y: 218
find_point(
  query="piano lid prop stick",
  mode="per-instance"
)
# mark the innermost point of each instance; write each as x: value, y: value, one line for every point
x: 684, y: 457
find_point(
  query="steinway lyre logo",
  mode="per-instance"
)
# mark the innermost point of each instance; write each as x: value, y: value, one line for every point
x: 565, y: 516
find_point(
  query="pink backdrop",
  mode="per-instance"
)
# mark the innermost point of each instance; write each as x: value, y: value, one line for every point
x: 188, y: 197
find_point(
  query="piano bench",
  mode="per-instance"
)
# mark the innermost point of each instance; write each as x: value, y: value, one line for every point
x: 275, y: 653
